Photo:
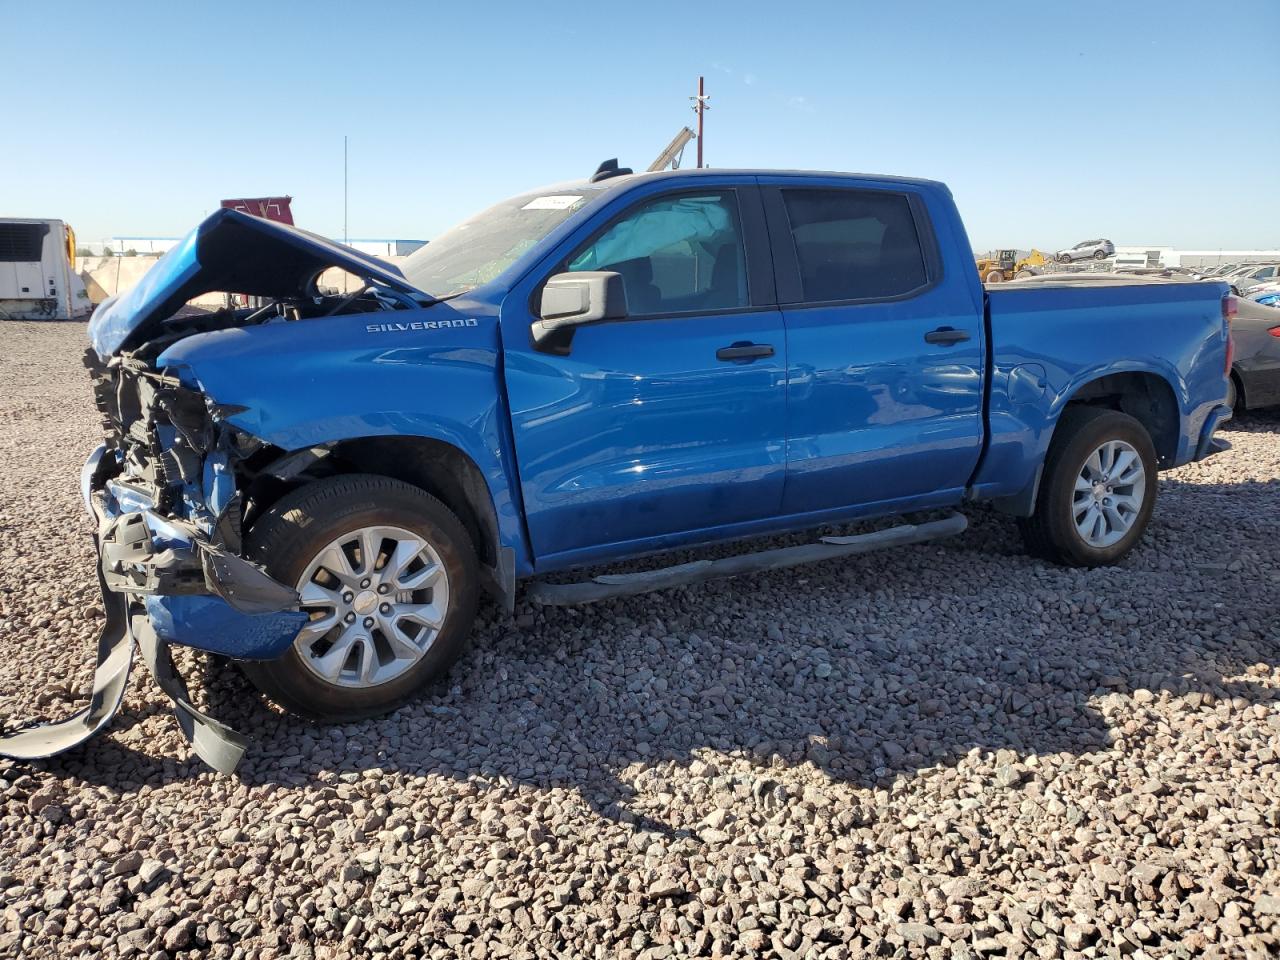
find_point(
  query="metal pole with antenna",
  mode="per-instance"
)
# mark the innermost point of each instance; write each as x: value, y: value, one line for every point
x: 345, y: 240
x: 700, y: 106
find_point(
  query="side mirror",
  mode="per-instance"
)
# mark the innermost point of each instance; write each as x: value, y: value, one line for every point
x: 570, y: 300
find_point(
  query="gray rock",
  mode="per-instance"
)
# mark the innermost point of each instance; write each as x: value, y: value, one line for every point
x: 41, y: 799
x: 180, y: 934
x: 919, y: 933
x: 128, y: 864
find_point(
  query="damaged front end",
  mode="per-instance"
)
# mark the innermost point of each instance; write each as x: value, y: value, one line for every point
x: 165, y: 487
x: 162, y: 491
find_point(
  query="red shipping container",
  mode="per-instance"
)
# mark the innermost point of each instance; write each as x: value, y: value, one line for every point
x: 268, y: 208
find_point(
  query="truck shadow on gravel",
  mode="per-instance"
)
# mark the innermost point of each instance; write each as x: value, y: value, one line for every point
x: 861, y: 671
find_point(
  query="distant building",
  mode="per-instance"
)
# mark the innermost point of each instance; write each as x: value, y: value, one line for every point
x: 1164, y: 256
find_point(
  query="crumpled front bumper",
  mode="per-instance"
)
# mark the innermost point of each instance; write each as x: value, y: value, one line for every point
x: 164, y: 582
x: 195, y: 593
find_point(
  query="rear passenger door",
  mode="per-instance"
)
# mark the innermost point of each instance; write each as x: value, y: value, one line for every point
x: 884, y: 351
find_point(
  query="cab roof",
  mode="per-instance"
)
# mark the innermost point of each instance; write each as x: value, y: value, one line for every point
x: 631, y: 179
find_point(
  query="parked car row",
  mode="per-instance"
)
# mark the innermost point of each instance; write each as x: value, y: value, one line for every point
x: 1245, y: 278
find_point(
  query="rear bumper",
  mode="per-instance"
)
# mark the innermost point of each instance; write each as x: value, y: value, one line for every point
x: 193, y: 592
x: 1208, y: 444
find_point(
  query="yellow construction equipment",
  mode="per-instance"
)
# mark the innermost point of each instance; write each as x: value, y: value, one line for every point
x: 998, y: 268
x: 1005, y: 265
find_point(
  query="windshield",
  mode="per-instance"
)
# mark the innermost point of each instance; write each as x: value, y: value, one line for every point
x: 478, y: 249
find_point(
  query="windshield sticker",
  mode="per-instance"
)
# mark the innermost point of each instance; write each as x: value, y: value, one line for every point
x: 551, y: 203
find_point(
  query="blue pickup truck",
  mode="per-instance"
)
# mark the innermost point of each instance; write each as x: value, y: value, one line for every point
x: 323, y: 484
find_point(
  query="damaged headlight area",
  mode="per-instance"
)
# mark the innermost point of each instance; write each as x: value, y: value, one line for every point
x: 162, y: 489
x: 165, y: 497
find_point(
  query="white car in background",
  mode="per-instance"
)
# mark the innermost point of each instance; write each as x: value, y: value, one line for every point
x: 1089, y: 249
x: 1251, y: 279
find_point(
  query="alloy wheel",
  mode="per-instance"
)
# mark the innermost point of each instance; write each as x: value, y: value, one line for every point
x: 377, y: 598
x: 1109, y: 491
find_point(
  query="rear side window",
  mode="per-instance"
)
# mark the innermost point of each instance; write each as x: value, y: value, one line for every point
x: 676, y: 254
x: 854, y: 244
x: 22, y: 242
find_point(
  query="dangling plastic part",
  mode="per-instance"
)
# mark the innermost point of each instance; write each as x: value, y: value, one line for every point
x: 216, y: 744
x: 115, y: 657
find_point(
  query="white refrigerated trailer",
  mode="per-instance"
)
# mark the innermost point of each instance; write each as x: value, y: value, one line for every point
x: 38, y: 280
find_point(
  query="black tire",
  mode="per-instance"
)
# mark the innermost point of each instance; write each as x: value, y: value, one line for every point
x: 290, y: 535
x: 1233, y: 395
x: 1050, y: 533
x: 1099, y: 254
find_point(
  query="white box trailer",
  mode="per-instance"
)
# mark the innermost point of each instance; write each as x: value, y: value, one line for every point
x: 38, y: 280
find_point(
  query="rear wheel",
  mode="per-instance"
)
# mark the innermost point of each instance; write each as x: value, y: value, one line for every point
x: 1098, y: 491
x: 994, y: 276
x: 1099, y: 254
x: 387, y: 575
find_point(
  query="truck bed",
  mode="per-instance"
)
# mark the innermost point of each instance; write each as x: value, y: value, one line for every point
x: 1166, y: 341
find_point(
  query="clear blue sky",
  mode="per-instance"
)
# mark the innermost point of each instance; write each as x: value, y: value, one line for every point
x: 1052, y: 123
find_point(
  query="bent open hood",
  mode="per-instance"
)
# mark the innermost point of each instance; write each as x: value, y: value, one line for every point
x: 229, y: 252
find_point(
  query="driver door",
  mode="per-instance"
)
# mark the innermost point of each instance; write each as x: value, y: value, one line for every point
x: 647, y: 433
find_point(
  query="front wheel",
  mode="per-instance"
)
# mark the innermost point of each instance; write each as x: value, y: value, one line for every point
x: 387, y: 575
x: 1098, y: 491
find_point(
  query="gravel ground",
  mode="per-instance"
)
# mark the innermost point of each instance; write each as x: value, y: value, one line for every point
x: 946, y: 751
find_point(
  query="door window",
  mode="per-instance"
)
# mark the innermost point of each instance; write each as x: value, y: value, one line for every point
x: 676, y: 254
x: 854, y: 245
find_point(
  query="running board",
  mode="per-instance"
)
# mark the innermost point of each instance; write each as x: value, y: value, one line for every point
x: 608, y: 586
